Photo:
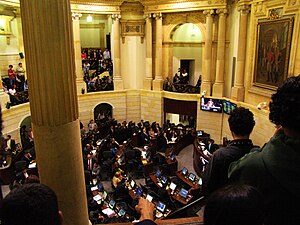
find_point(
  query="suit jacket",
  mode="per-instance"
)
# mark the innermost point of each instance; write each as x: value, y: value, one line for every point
x: 86, y: 164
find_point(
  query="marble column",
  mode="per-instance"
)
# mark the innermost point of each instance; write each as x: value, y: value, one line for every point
x: 116, y: 56
x: 80, y: 84
x: 238, y: 90
x: 206, y: 79
x: 218, y: 87
x: 157, y: 83
x: 148, y: 80
x: 48, y: 42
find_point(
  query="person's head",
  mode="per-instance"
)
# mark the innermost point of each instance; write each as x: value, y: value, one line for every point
x: 20, y: 64
x: 10, y: 66
x: 241, y: 123
x: 285, y: 105
x: 234, y: 205
x: 8, y: 136
x: 118, y: 174
x: 30, y: 204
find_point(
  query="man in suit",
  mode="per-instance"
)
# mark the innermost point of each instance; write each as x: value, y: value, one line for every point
x: 145, y: 139
x: 88, y: 163
x: 10, y: 144
x: 211, y: 146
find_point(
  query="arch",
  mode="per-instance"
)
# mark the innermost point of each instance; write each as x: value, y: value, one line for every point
x: 103, y: 109
x: 176, y: 23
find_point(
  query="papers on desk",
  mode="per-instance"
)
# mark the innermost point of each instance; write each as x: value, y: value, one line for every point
x: 97, y: 197
x: 95, y: 189
x: 109, y: 212
x: 32, y: 165
x: 94, y: 152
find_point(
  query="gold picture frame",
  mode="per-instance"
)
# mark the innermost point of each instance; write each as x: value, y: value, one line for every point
x: 272, y: 52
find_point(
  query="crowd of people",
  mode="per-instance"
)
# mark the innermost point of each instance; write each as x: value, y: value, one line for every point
x: 15, y: 85
x: 94, y: 65
x: 244, y: 184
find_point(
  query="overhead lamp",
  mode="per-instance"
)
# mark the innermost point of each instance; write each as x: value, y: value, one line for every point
x: 89, y: 19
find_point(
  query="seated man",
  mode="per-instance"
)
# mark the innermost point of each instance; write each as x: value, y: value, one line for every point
x: 241, y: 123
x: 30, y: 204
x: 275, y: 168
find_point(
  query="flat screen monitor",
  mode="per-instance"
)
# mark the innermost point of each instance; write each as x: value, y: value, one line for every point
x: 183, y: 193
x: 112, y: 203
x: 200, y: 133
x: 211, y: 105
x: 184, y: 171
x: 192, y: 177
x: 121, y: 212
x: 139, y: 191
x: 172, y: 186
x: 132, y: 183
x: 158, y: 173
x: 163, y: 179
x: 149, y: 198
x: 228, y: 107
x: 161, y: 206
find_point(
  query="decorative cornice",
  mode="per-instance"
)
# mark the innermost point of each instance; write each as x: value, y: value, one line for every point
x: 208, y: 12
x: 244, y: 8
x: 221, y: 11
x: 157, y: 15
x: 116, y: 16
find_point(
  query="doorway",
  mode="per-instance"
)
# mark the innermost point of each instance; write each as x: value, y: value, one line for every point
x: 189, y: 66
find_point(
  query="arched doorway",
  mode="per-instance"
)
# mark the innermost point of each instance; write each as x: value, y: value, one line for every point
x: 25, y: 128
x: 103, y: 111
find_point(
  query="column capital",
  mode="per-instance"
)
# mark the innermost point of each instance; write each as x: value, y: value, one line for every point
x: 157, y: 16
x: 116, y: 16
x: 208, y: 12
x: 76, y: 15
x: 222, y: 12
x: 244, y: 8
x: 148, y: 16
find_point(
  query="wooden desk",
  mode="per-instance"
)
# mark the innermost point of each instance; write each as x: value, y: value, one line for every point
x: 172, y: 164
x: 178, y: 198
x: 194, y: 185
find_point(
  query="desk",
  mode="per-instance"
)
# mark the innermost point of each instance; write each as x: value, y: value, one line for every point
x: 194, y: 185
x: 172, y: 164
x: 178, y: 198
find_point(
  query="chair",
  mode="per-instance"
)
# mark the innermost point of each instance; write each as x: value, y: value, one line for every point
x: 20, y: 165
x: 107, y: 165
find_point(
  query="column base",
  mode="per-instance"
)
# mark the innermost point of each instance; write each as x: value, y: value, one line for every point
x: 4, y: 98
x: 218, y: 89
x: 81, y: 87
x: 157, y: 85
x: 147, y: 84
x: 118, y: 84
x: 206, y: 86
x: 238, y: 93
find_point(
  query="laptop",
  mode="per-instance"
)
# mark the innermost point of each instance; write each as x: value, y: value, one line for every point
x: 139, y: 192
x: 121, y: 212
x: 192, y: 177
x: 149, y: 198
x: 163, y: 180
x: 112, y: 203
x: 172, y: 186
x: 158, y: 173
x: 161, y: 207
x: 183, y: 193
x: 184, y: 171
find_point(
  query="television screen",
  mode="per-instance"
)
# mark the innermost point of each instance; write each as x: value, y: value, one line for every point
x: 183, y: 193
x: 211, y: 104
x: 228, y: 107
x: 184, y: 171
x: 161, y: 206
x: 192, y: 177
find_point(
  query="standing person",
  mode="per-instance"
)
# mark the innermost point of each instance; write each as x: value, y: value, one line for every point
x: 275, y: 169
x: 20, y: 70
x: 106, y: 54
x: 11, y: 75
x: 241, y: 123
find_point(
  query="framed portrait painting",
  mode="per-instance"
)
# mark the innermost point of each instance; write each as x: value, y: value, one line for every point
x: 272, y: 52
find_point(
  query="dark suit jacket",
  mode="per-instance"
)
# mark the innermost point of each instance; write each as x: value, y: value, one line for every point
x: 85, y: 164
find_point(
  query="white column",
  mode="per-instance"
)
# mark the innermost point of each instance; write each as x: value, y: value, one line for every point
x: 148, y: 80
x: 218, y: 87
x: 48, y: 42
x: 118, y: 82
x: 80, y: 84
x: 238, y: 91
x: 157, y: 83
x: 206, y: 79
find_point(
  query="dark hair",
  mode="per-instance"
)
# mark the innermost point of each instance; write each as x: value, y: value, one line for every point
x: 241, y: 121
x: 234, y: 205
x: 285, y: 105
x: 30, y: 204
